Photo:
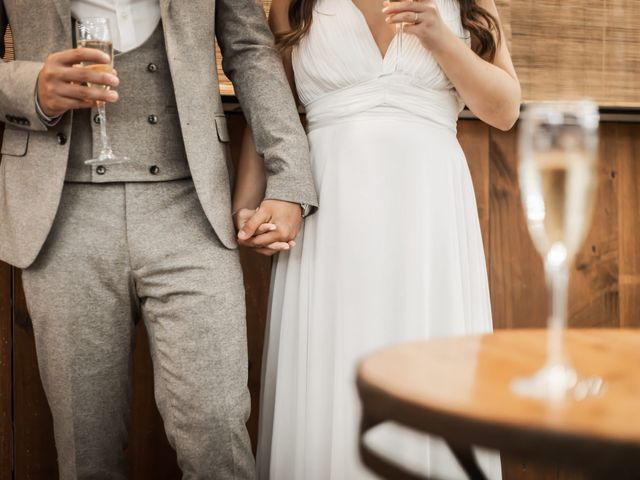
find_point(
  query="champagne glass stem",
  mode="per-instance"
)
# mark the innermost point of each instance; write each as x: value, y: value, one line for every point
x: 557, y: 276
x: 400, y: 35
x: 106, y: 145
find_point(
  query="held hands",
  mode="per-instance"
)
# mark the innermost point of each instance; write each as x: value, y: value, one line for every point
x: 270, y: 228
x: 62, y: 86
x: 420, y: 17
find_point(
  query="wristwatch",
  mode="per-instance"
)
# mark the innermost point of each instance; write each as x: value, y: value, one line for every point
x: 306, y: 209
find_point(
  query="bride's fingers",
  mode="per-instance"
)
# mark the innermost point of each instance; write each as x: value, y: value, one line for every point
x: 279, y: 246
x: 405, y: 17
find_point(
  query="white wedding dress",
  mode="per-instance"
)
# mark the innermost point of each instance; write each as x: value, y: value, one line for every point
x: 394, y: 254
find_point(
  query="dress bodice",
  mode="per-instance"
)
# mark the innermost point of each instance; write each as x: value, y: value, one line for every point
x: 339, y: 70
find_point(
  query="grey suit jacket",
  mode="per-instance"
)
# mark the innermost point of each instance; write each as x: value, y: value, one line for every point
x: 34, y: 157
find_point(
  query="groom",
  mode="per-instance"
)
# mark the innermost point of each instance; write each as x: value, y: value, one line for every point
x: 101, y: 245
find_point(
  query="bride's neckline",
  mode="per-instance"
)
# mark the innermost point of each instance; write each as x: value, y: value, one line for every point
x: 369, y: 33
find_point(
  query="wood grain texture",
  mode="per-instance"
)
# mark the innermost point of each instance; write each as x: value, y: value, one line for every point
x: 593, y: 290
x: 622, y: 150
x: 6, y: 377
x: 474, y: 139
x: 516, y: 275
x: 35, y: 454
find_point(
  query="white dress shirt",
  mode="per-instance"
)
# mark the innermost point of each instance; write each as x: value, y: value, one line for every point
x: 131, y: 21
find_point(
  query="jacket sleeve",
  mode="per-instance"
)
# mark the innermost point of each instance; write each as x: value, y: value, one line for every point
x: 252, y: 63
x: 18, y: 82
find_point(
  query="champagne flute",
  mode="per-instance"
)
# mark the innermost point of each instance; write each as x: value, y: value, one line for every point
x: 558, y: 176
x: 399, y: 40
x: 95, y: 33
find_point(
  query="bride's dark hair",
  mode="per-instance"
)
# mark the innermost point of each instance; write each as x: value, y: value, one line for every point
x: 482, y: 25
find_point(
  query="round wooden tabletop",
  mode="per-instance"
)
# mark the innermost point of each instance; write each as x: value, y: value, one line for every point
x: 460, y: 389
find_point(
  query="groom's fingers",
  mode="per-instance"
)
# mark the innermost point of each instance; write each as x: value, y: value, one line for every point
x: 250, y: 228
x: 265, y: 227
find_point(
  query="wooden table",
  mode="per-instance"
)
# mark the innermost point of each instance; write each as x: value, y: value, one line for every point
x: 459, y: 389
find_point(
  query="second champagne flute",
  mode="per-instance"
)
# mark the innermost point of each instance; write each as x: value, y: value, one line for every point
x: 95, y: 33
x: 558, y: 176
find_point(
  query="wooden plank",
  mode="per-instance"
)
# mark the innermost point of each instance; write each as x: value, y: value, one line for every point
x: 593, y: 289
x: 473, y: 136
x: 624, y: 148
x: 35, y: 454
x: 6, y: 377
x: 518, y: 291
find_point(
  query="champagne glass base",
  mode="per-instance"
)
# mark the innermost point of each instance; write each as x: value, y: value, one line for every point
x: 107, y: 160
x: 557, y: 382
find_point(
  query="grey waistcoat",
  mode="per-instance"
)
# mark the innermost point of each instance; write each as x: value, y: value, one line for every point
x: 145, y: 128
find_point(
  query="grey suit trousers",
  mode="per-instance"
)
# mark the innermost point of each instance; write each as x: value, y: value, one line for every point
x: 122, y: 250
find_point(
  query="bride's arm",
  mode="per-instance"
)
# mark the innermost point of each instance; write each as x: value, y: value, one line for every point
x: 251, y: 179
x: 491, y: 90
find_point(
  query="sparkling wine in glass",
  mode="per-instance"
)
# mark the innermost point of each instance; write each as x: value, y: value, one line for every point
x: 95, y: 33
x: 558, y: 177
x: 399, y: 40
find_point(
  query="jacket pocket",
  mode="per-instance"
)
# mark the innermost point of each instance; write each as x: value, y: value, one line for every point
x: 15, y: 142
x: 222, y: 129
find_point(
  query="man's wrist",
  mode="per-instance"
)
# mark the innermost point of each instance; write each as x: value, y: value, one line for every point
x: 44, y: 118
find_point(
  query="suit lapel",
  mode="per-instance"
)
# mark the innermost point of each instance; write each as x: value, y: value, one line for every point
x: 63, y: 7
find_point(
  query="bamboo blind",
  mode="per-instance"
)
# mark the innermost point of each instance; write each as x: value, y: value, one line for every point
x: 564, y: 48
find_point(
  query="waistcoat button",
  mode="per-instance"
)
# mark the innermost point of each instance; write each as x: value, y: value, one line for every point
x: 96, y: 118
x: 154, y: 170
x: 152, y: 119
x: 152, y: 67
x: 62, y: 139
x: 101, y: 170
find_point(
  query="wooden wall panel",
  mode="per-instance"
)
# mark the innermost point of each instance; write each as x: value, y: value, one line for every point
x: 6, y: 377
x: 474, y: 139
x: 516, y: 273
x: 35, y: 455
x: 623, y: 151
x: 593, y: 290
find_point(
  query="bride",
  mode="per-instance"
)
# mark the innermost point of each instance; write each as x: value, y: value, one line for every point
x: 395, y: 251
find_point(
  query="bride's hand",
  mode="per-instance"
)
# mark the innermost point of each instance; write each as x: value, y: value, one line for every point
x: 420, y: 17
x: 242, y: 216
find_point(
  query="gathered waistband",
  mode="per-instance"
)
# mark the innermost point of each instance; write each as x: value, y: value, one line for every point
x: 392, y: 94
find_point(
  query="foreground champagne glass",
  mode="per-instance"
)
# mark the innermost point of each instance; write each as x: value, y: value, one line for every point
x: 95, y: 33
x: 558, y: 176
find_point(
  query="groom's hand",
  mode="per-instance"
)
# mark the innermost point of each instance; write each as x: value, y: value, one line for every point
x: 287, y: 218
x: 62, y: 86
